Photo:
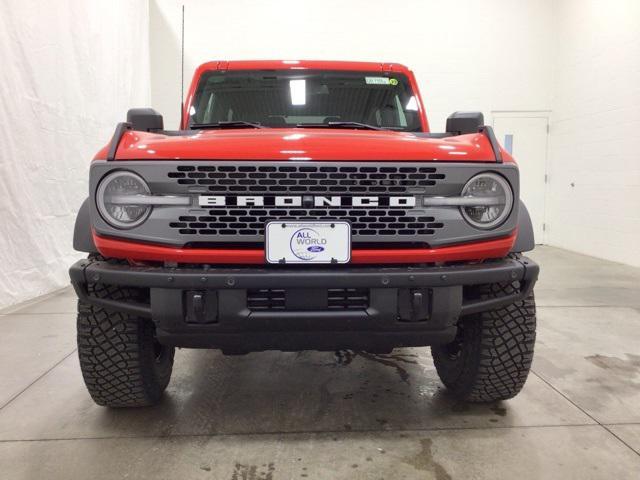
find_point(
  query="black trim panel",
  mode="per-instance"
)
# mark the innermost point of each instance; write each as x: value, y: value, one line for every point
x: 487, y: 130
x: 525, y: 241
x: 82, y: 237
x: 115, y: 140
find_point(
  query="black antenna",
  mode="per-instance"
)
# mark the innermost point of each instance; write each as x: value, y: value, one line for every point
x: 182, y: 71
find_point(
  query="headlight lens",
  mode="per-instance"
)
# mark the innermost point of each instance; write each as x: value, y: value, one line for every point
x: 111, y: 199
x: 495, y: 200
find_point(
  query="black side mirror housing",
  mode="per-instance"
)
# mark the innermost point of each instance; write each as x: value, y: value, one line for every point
x: 145, y: 119
x: 460, y: 123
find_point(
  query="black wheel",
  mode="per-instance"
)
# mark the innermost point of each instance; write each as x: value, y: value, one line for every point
x: 491, y: 355
x: 122, y: 363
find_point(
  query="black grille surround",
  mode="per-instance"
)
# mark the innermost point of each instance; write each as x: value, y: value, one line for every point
x: 234, y: 226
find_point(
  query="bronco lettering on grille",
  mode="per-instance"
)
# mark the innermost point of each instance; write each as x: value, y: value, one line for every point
x: 304, y: 200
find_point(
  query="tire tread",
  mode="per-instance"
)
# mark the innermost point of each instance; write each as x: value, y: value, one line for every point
x: 497, y: 350
x: 116, y: 353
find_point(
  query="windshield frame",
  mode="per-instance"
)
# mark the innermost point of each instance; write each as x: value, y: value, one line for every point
x: 418, y: 124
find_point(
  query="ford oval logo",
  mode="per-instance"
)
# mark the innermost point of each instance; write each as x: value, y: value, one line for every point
x: 315, y: 249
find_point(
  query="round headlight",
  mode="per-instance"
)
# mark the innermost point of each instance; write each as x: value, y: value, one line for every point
x: 494, y: 197
x: 116, y: 199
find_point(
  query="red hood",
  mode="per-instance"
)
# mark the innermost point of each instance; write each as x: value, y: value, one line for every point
x: 302, y: 144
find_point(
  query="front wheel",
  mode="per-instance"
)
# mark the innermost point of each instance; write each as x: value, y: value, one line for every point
x: 491, y: 355
x: 122, y: 363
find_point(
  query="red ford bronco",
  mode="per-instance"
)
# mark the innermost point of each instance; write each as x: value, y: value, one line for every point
x: 303, y: 205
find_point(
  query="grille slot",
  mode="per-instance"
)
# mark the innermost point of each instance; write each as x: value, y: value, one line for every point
x: 268, y: 299
x: 265, y: 299
x: 348, y: 298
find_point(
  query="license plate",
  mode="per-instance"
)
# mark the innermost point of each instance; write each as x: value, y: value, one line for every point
x: 308, y: 242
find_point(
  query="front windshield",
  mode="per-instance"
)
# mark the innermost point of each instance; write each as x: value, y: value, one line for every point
x: 290, y: 98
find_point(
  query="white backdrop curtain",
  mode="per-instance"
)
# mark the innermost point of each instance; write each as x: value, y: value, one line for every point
x: 69, y: 71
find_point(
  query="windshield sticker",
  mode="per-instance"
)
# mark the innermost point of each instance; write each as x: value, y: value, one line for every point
x: 377, y: 80
x: 393, y: 81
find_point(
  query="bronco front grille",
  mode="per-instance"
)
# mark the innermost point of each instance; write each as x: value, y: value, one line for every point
x: 297, y: 179
x: 247, y: 224
x: 218, y: 212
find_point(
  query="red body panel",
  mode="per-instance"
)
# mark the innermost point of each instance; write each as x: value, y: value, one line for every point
x: 304, y: 144
x: 110, y: 247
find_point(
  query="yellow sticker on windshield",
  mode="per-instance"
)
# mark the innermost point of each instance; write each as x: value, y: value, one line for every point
x: 393, y: 81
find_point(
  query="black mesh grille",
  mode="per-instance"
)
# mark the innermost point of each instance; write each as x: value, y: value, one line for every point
x: 298, y: 179
x: 246, y: 224
x: 251, y: 221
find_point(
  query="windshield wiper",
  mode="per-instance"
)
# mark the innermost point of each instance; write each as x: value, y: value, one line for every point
x: 229, y: 124
x: 357, y: 125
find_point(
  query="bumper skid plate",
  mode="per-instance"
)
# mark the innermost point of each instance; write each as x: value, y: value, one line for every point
x: 319, y: 308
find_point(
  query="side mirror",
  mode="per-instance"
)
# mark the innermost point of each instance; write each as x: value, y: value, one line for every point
x: 145, y: 119
x: 460, y: 123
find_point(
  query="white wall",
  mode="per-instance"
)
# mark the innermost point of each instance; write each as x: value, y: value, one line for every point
x: 70, y: 69
x: 593, y: 203
x: 467, y: 54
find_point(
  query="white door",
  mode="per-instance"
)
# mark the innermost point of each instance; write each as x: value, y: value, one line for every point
x: 525, y: 136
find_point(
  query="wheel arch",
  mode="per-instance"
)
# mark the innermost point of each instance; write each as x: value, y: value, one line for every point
x: 82, y: 236
x: 525, y: 240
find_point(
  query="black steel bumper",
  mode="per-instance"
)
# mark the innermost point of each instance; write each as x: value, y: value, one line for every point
x: 211, y: 307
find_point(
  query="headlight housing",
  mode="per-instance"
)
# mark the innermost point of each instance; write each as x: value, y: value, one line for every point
x: 495, y: 200
x: 114, y: 199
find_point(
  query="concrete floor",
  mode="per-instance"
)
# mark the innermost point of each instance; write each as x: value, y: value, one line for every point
x: 272, y: 416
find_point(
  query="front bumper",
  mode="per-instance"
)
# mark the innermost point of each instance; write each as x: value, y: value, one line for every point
x: 211, y: 307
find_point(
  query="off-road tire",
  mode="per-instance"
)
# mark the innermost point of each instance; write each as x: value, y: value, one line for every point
x: 122, y: 363
x: 491, y: 356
